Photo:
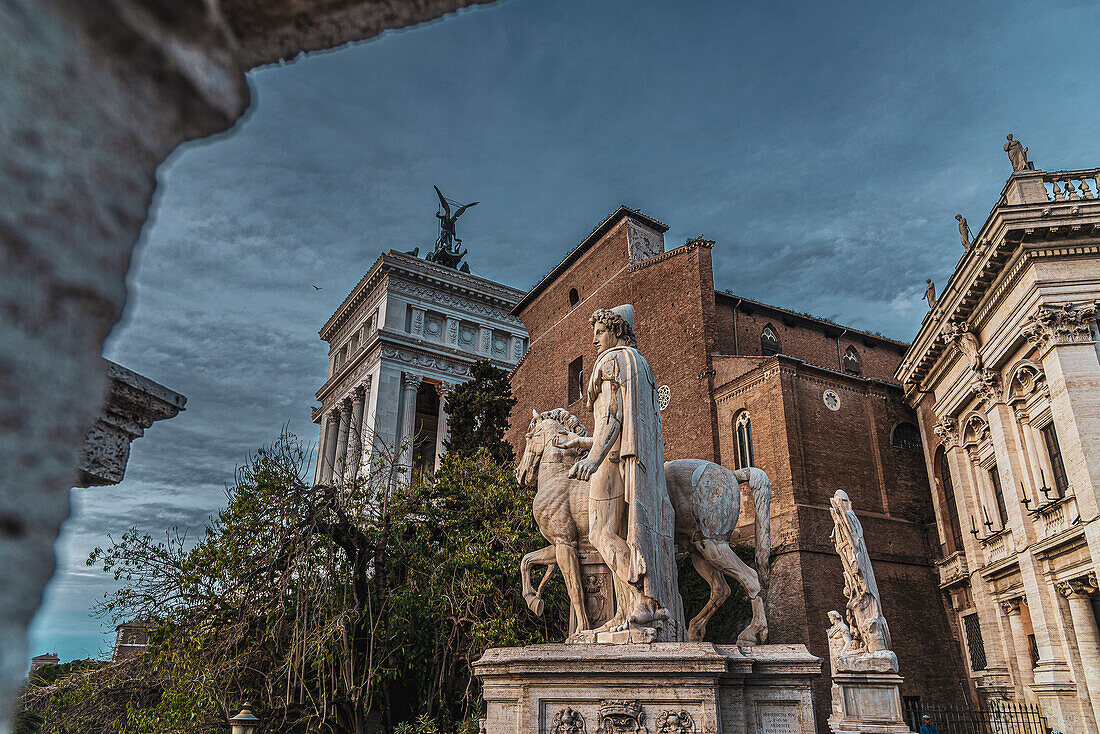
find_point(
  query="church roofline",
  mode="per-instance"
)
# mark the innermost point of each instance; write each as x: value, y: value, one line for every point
x: 601, y: 229
x: 816, y: 321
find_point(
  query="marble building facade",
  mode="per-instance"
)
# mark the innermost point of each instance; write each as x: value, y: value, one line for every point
x: 401, y: 340
x: 1004, y: 376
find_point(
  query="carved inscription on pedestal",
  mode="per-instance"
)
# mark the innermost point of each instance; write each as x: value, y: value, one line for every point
x: 778, y: 718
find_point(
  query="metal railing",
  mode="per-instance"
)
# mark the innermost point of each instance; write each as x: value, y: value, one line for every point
x: 996, y: 717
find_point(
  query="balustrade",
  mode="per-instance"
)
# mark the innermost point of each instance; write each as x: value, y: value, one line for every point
x: 952, y: 568
x: 1072, y: 185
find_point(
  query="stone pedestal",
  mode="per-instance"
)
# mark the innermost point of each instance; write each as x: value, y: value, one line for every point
x: 599, y: 592
x: 867, y: 702
x: 659, y: 688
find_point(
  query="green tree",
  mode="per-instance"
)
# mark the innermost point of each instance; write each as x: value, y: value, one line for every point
x: 479, y: 411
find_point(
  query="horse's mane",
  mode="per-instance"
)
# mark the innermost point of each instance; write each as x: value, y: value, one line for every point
x: 567, y: 419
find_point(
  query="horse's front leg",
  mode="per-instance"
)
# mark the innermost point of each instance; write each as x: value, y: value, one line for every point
x: 543, y: 557
x: 570, y: 564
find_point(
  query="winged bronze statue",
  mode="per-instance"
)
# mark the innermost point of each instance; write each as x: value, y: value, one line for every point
x: 446, y: 246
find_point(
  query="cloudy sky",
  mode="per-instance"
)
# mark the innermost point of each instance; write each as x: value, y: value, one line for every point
x: 825, y: 150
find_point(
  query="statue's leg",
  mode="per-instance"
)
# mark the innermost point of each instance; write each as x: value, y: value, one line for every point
x: 607, y: 513
x: 570, y: 565
x: 719, y: 592
x: 721, y: 556
x: 545, y: 557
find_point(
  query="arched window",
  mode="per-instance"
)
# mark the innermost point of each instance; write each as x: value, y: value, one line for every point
x: 574, y: 297
x: 769, y: 341
x: 851, y: 362
x: 906, y: 436
x: 943, y: 474
x: 743, y: 429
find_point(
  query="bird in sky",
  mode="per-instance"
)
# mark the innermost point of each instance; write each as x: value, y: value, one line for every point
x: 317, y: 288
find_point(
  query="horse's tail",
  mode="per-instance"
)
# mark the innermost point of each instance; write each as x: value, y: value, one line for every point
x: 761, y: 488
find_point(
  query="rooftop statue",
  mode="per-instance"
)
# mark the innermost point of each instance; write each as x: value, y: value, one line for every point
x: 447, y: 244
x: 930, y: 294
x: 1017, y: 153
x: 964, y: 231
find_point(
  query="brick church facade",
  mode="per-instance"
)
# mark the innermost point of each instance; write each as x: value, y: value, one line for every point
x: 812, y: 403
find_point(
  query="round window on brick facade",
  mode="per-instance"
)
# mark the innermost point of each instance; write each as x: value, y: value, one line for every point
x: 574, y: 297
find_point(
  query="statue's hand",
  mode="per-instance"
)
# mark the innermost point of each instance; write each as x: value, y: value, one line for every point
x: 568, y: 441
x: 583, y: 469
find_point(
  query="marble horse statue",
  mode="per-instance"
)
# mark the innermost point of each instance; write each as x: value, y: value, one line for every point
x: 706, y: 498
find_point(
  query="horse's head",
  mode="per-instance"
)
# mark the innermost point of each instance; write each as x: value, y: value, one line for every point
x: 541, y: 434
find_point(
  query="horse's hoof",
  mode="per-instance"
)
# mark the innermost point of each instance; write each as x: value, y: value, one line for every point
x: 695, y: 635
x: 537, y: 605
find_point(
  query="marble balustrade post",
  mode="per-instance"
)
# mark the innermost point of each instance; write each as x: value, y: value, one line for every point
x: 442, y: 431
x: 332, y: 436
x: 1020, y: 646
x: 1077, y: 592
x: 351, y: 470
x: 410, y: 383
x: 342, y: 442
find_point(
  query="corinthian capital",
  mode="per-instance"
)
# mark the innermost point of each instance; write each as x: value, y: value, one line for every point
x: 988, y: 385
x: 1010, y: 606
x: 1054, y: 325
x: 411, y: 381
x: 1083, y: 585
x: 947, y: 430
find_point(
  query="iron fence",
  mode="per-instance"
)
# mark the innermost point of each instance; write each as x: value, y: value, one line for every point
x: 996, y: 717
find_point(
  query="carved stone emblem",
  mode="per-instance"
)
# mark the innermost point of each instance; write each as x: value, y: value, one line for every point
x: 619, y: 716
x: 675, y: 722
x: 568, y: 721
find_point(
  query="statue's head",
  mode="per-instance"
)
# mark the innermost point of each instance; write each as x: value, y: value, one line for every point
x: 1009, y: 137
x: 958, y: 217
x: 613, y: 327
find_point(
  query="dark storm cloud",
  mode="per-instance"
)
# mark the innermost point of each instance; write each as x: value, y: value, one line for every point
x: 826, y: 149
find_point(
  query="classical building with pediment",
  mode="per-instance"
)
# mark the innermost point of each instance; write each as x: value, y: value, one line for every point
x: 401, y: 340
x: 1005, y: 378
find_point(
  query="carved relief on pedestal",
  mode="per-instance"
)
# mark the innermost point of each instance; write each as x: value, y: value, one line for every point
x: 619, y: 716
x: 1055, y: 325
x: 568, y: 721
x: 947, y: 430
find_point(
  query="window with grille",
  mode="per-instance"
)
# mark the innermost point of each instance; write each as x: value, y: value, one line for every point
x: 949, y: 500
x: 1002, y: 510
x: 906, y: 436
x: 576, y: 380
x: 974, y: 644
x: 743, y: 426
x: 1054, y: 451
x: 769, y: 341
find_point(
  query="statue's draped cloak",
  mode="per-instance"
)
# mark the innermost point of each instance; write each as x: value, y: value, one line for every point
x: 650, y: 522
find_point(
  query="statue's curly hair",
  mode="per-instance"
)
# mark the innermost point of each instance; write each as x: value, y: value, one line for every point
x: 619, y: 326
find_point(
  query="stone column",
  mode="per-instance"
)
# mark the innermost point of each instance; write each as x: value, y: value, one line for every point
x: 342, y: 442
x: 354, y: 447
x: 410, y: 383
x: 1020, y: 646
x: 332, y: 436
x: 319, y: 459
x: 366, y: 429
x: 1078, y: 592
x: 442, y: 432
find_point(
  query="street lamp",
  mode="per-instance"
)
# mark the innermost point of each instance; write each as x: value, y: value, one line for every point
x: 244, y: 722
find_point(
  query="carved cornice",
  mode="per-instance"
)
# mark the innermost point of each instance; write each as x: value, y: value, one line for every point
x: 426, y: 361
x: 1058, y: 325
x: 947, y: 430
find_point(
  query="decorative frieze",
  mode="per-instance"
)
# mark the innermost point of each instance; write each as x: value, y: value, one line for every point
x: 433, y: 295
x: 1058, y: 325
x: 426, y: 361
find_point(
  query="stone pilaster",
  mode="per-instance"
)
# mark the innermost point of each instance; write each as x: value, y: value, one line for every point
x: 410, y: 383
x: 1078, y: 592
x: 366, y: 428
x: 1025, y: 675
